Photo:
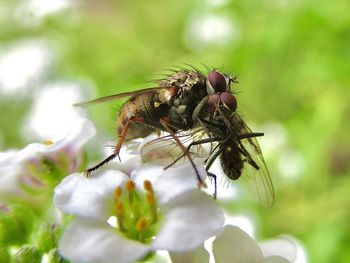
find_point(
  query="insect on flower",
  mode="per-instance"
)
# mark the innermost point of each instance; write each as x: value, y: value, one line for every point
x: 235, y: 144
x: 170, y: 107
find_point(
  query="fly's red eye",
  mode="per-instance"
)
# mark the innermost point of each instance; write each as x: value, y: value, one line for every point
x: 213, y: 100
x: 217, y: 81
x: 229, y: 100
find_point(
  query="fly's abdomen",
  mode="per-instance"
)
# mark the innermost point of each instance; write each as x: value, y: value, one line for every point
x: 231, y: 161
x: 142, y: 114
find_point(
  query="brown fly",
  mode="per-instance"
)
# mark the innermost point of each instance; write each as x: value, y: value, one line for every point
x: 175, y: 104
x: 236, y: 145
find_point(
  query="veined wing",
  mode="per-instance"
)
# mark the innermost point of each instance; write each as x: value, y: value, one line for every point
x: 165, y: 150
x: 256, y: 176
x: 118, y: 96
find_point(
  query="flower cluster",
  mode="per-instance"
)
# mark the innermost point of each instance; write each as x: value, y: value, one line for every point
x: 39, y: 164
x: 124, y: 217
x: 124, y: 212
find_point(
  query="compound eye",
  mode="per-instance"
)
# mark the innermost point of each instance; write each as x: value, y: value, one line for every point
x: 229, y: 100
x: 217, y: 81
x: 212, y: 102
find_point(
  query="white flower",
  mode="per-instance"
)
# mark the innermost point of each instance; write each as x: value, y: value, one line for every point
x: 234, y: 245
x: 117, y: 221
x: 24, y: 167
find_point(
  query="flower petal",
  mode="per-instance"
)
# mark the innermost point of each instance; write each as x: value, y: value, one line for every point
x: 190, y: 219
x: 75, y: 139
x: 200, y: 255
x: 284, y: 247
x: 9, y: 180
x: 235, y: 245
x: 171, y: 182
x: 95, y: 241
x: 128, y: 164
x: 88, y: 197
x: 276, y: 259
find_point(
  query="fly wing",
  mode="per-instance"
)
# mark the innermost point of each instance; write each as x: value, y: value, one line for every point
x: 165, y: 150
x: 256, y: 176
x: 117, y: 96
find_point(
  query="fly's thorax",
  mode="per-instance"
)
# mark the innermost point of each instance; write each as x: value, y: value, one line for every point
x: 186, y: 89
x: 183, y: 78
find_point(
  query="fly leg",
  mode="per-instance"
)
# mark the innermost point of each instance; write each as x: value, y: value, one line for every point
x: 165, y: 123
x: 117, y: 147
x: 247, y: 156
x: 202, y: 141
x: 215, y: 184
x: 209, y: 163
x: 249, y: 135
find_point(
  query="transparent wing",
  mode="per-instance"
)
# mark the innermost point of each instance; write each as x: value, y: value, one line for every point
x: 117, y: 96
x: 165, y: 150
x: 256, y: 176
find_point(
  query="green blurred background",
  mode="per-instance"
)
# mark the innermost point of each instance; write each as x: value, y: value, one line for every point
x: 292, y: 59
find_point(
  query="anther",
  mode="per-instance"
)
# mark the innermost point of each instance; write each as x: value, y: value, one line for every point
x: 47, y: 142
x: 117, y: 193
x: 147, y: 185
x: 130, y: 188
x: 141, y: 226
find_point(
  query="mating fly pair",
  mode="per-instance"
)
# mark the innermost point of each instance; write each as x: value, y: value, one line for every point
x: 190, y: 101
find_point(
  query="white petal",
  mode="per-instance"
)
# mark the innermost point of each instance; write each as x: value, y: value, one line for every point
x: 32, y: 152
x: 75, y: 139
x: 9, y: 180
x: 235, y: 245
x: 94, y: 241
x: 89, y: 197
x: 189, y: 220
x: 284, y: 247
x: 8, y: 156
x: 276, y: 259
x: 199, y: 255
x: 127, y: 165
x: 171, y: 182
x: 10, y: 169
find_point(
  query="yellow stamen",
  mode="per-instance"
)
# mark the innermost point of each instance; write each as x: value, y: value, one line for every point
x: 47, y: 142
x: 117, y: 193
x: 119, y: 209
x: 130, y: 186
x: 141, y: 224
x: 120, y: 216
x: 148, y: 186
x: 151, y: 198
x: 153, y: 204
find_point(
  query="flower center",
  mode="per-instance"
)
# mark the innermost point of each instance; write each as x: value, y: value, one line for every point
x: 136, y: 211
x: 47, y: 142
